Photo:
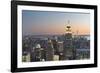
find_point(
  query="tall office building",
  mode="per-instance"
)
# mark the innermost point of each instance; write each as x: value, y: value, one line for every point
x: 55, y: 46
x: 68, y: 46
x: 60, y: 46
x: 49, y: 51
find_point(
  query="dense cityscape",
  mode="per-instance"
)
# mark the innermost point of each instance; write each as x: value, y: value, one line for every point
x: 55, y: 47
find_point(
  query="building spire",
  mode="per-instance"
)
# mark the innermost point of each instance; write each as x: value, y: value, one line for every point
x: 68, y: 21
x: 77, y: 32
x: 68, y: 27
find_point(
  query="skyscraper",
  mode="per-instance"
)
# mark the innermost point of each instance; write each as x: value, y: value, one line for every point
x: 49, y: 51
x: 68, y: 46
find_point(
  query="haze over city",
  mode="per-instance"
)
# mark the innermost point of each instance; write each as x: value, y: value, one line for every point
x: 55, y: 36
x: 44, y: 22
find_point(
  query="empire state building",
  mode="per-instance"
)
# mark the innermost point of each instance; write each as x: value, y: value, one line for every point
x: 68, y: 46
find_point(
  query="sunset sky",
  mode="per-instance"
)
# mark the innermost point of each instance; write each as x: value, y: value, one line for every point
x: 44, y: 22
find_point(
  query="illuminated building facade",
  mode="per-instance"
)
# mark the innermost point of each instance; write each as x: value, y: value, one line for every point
x: 68, y: 46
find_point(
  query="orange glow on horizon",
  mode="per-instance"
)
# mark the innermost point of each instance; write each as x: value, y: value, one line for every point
x: 80, y: 29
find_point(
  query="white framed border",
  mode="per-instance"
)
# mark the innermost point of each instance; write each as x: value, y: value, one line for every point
x: 52, y: 63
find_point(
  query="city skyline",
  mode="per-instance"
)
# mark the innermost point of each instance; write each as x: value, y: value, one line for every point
x: 55, y: 47
x: 44, y: 22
